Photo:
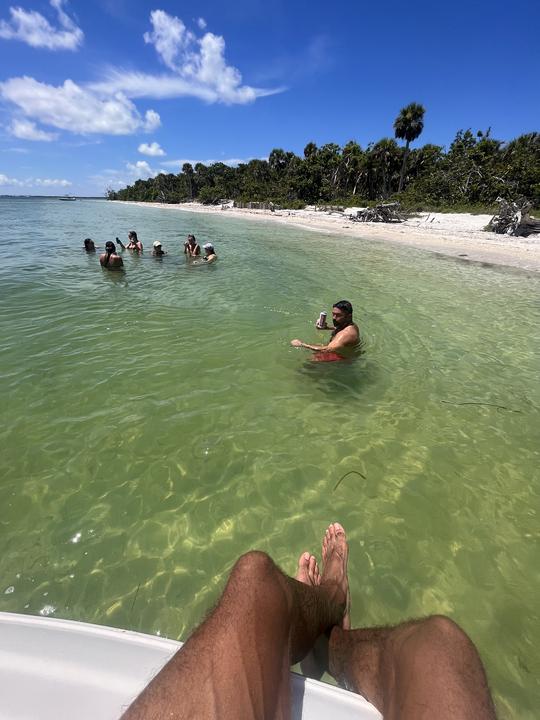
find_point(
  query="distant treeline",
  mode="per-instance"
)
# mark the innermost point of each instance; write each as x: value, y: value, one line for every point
x: 474, y: 171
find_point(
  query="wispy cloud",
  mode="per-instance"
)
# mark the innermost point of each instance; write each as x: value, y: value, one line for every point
x: 5, y: 180
x: 113, y: 178
x: 312, y: 60
x: 153, y: 149
x: 27, y: 130
x: 79, y: 110
x: 198, y: 65
x: 32, y: 28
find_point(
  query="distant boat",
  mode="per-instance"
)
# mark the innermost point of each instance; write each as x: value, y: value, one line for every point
x: 67, y: 197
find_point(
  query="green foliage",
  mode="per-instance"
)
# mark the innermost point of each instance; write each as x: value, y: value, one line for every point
x: 474, y: 171
x: 408, y: 126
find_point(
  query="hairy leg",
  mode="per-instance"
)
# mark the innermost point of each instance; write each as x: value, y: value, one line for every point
x: 418, y: 670
x: 236, y: 664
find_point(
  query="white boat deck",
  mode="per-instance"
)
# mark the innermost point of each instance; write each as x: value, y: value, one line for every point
x: 61, y: 670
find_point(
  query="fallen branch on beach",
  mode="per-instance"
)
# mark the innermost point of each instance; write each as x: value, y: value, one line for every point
x: 384, y: 212
x: 513, y: 219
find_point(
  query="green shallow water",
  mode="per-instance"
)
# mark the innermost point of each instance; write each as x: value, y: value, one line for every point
x: 156, y: 424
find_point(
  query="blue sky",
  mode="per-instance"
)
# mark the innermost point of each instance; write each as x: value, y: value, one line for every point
x: 97, y: 94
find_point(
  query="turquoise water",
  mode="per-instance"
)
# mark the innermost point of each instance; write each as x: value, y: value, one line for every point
x: 156, y: 424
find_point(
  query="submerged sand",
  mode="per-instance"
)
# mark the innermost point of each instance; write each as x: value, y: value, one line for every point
x: 459, y: 235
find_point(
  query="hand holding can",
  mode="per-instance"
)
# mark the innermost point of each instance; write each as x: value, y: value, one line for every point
x: 321, y: 322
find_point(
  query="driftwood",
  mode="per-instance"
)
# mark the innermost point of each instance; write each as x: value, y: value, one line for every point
x: 513, y: 219
x: 257, y: 205
x: 385, y: 212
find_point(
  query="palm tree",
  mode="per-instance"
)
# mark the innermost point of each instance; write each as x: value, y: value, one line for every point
x: 407, y: 126
x: 187, y: 169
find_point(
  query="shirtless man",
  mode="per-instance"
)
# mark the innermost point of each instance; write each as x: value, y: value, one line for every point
x: 110, y: 259
x: 345, y: 334
x: 236, y: 664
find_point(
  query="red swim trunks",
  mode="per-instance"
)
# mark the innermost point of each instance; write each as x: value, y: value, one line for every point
x: 327, y: 357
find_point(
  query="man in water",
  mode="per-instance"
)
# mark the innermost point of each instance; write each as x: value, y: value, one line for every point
x: 89, y: 245
x: 236, y: 664
x: 109, y: 259
x: 345, y: 336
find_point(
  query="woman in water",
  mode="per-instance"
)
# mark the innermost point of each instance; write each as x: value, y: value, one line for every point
x: 210, y: 254
x: 192, y: 247
x: 134, y: 242
x: 109, y: 259
x: 89, y: 245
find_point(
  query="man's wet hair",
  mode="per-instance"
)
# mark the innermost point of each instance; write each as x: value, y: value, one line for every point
x: 344, y: 305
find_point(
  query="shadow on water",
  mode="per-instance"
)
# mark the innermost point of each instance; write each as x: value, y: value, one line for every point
x: 115, y: 277
x: 339, y: 379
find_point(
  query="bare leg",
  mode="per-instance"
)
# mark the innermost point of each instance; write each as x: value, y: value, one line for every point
x: 236, y: 664
x: 418, y: 670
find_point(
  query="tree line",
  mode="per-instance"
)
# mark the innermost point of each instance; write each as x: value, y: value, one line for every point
x: 474, y: 171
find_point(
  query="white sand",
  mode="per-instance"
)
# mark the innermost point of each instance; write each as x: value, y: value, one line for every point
x: 454, y: 234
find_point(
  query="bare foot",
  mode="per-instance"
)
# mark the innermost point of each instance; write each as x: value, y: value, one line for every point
x: 308, y: 570
x: 335, y: 553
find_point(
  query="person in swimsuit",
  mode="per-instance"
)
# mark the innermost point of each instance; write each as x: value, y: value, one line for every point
x: 158, y: 250
x: 345, y: 336
x: 109, y: 259
x: 89, y: 246
x: 134, y: 242
x: 192, y: 247
x: 209, y: 253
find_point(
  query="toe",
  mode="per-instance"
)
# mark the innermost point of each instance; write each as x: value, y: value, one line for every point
x: 311, y: 568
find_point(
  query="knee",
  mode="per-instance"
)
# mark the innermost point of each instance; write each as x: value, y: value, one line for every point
x: 253, y: 565
x: 444, y: 628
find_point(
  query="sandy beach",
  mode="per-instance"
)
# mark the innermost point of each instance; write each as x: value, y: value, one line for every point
x: 458, y: 235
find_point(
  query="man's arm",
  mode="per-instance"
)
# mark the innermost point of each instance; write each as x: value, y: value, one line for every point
x: 343, y: 339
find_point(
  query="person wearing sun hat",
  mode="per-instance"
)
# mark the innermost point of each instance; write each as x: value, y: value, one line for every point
x: 158, y: 250
x: 210, y: 253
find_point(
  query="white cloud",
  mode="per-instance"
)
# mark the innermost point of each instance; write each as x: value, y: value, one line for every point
x: 70, y: 107
x: 151, y: 120
x: 169, y: 36
x: 153, y: 149
x: 33, y: 182
x: 5, y: 180
x: 32, y: 28
x: 49, y: 182
x: 201, y: 22
x: 27, y: 130
x: 199, y: 66
x: 140, y: 169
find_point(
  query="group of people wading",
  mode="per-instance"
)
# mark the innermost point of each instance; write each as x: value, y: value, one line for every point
x: 111, y: 260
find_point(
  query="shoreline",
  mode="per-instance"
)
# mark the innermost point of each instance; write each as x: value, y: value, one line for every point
x: 457, y: 235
